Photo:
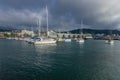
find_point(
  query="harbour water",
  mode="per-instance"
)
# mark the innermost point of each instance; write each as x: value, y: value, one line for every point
x: 93, y: 60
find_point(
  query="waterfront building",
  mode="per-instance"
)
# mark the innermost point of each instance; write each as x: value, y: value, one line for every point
x: 27, y: 32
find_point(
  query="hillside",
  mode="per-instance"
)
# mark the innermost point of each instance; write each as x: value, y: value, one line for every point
x: 95, y: 31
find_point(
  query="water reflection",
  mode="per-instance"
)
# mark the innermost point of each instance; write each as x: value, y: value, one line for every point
x: 43, y: 57
x: 45, y: 48
x: 81, y: 45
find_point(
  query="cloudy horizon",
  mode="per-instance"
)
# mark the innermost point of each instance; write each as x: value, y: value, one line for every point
x: 63, y: 14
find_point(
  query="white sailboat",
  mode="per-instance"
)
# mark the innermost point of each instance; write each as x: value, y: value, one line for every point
x: 67, y: 39
x: 110, y: 41
x: 44, y: 41
x: 47, y: 40
x: 81, y: 40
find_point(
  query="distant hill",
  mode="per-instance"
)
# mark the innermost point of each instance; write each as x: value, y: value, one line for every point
x: 76, y: 31
x: 95, y: 31
x: 3, y: 29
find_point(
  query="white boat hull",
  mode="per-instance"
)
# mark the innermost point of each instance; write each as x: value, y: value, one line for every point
x: 67, y: 40
x: 81, y: 41
x: 110, y: 42
x: 44, y: 42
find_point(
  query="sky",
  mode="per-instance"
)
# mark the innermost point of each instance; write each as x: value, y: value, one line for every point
x: 63, y: 14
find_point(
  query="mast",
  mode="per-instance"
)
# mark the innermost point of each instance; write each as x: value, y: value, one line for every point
x: 81, y: 28
x: 39, y: 25
x: 47, y: 20
x: 111, y: 34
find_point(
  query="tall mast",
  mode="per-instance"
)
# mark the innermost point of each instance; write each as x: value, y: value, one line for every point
x: 47, y: 19
x: 81, y: 28
x: 39, y: 25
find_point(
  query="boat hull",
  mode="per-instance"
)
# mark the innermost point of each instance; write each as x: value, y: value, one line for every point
x: 110, y: 42
x: 67, y: 40
x: 81, y: 41
x: 44, y: 42
x: 60, y: 40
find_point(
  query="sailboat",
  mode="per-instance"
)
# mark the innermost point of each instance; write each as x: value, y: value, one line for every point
x: 81, y: 40
x: 47, y: 40
x: 110, y: 41
x: 67, y: 39
x: 59, y: 39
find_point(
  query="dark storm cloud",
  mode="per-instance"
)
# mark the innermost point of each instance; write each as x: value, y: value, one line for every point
x: 63, y: 14
x: 95, y: 13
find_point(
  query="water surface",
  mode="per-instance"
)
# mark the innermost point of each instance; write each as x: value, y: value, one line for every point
x: 93, y: 60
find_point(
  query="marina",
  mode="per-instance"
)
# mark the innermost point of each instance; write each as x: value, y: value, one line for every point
x: 59, y: 40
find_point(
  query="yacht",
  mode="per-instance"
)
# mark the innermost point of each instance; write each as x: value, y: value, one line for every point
x: 110, y: 40
x: 46, y: 40
x: 81, y: 39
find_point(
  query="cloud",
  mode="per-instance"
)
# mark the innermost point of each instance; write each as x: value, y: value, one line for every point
x: 63, y: 14
x: 99, y: 13
x: 22, y: 17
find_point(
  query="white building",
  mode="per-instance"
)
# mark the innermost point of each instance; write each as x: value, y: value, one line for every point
x: 30, y: 33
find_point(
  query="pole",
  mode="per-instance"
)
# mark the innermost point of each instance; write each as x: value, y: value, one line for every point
x: 47, y: 20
